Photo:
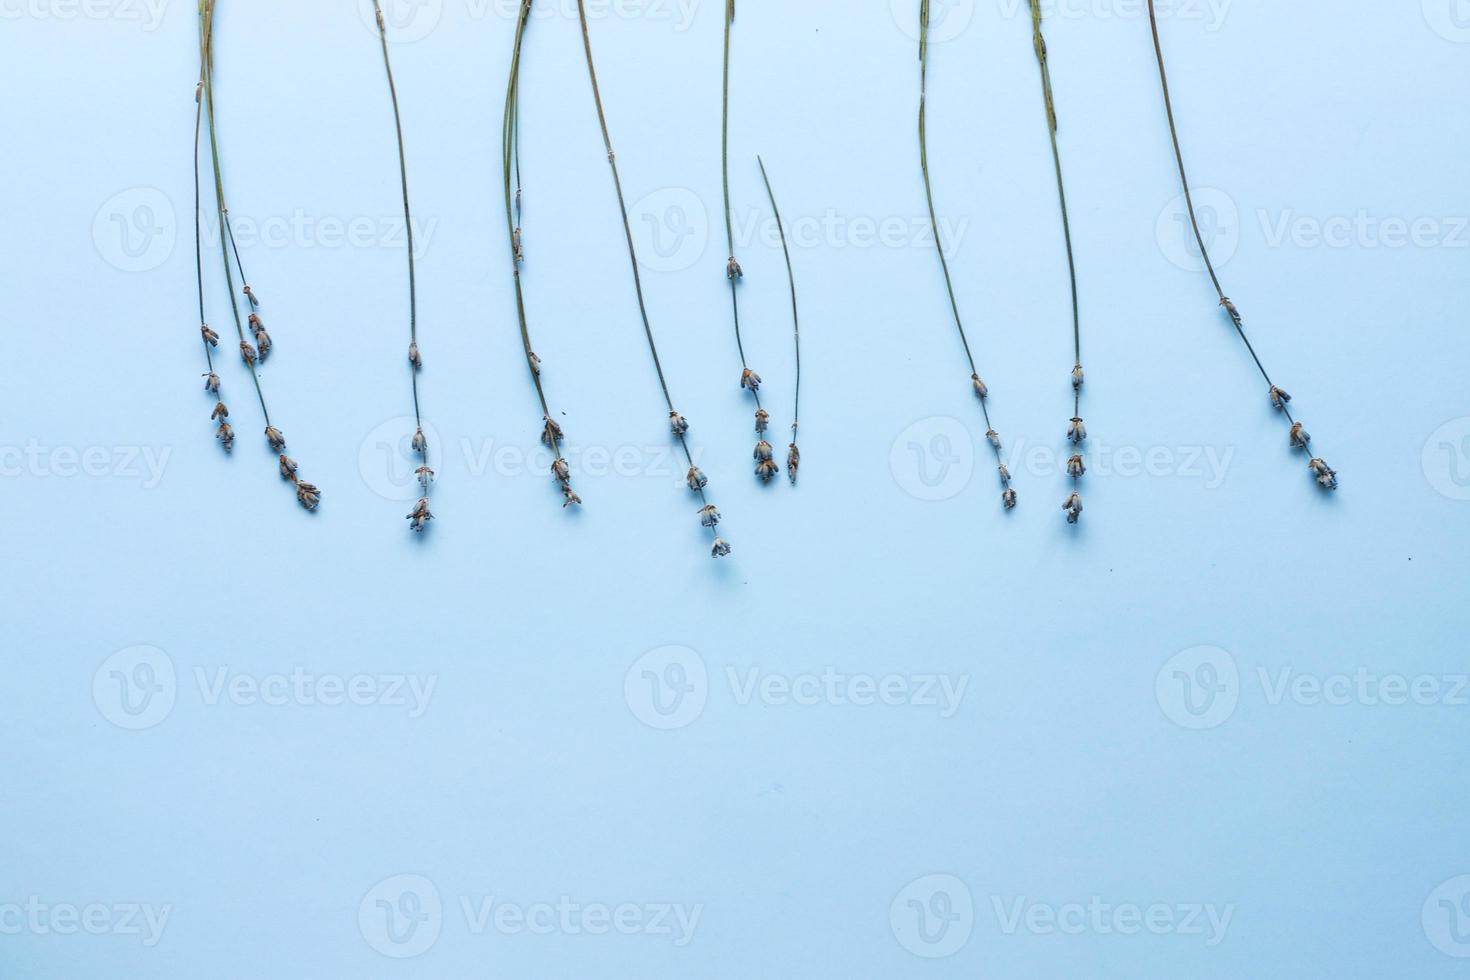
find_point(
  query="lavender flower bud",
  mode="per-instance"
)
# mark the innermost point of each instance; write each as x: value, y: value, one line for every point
x: 569, y: 497
x: 749, y: 379
x: 733, y: 270
x: 1279, y: 398
x: 678, y: 423
x: 250, y: 295
x: 1009, y: 499
x: 1076, y: 432
x: 247, y: 353
x: 413, y: 356
x: 308, y: 495
x: 1075, y: 467
x: 561, y: 470
x: 793, y: 462
x: 210, y: 337
x: 1326, y: 475
x: 980, y: 389
x: 1230, y: 308
x: 425, y: 476
x: 1073, y: 507
x: 1005, y: 475
x: 696, y: 479
x: 766, y: 470
x: 419, y: 517
x: 551, y: 434
x: 709, y: 516
x: 763, y: 451
x: 420, y: 442
x: 535, y: 363
x: 226, y: 436
x: 1299, y: 436
x: 721, y: 548
x: 274, y: 437
x: 262, y: 339
x: 211, y: 382
x: 1077, y: 378
x: 994, y: 438
x: 762, y: 420
x: 288, y: 467
x: 220, y: 412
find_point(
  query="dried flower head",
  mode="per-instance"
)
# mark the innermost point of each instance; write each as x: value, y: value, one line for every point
x: 518, y: 244
x: 211, y: 382
x: 762, y: 420
x: 980, y: 389
x: 274, y: 437
x: 247, y: 352
x: 1279, y: 398
x: 308, y: 495
x: 1076, y: 432
x: 1075, y: 467
x: 793, y: 462
x: 709, y: 516
x: 551, y: 434
x: 288, y: 467
x: 262, y: 338
x: 569, y: 497
x: 226, y: 436
x: 250, y: 295
x: 1005, y: 474
x: 210, y: 337
x: 561, y: 470
x: 696, y: 479
x: 1299, y: 436
x: 678, y: 423
x: 1231, y: 309
x: 1326, y: 475
x: 1073, y: 507
x: 425, y: 476
x: 419, y: 517
x: 420, y: 441
x: 766, y: 470
x: 763, y: 451
x: 721, y: 549
x: 220, y: 412
x: 414, y: 357
x: 535, y: 363
x: 1009, y: 499
x: 733, y: 270
x: 749, y: 379
x: 1077, y: 378
x: 994, y: 438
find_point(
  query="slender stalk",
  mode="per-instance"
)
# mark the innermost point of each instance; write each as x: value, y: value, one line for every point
x: 697, y: 482
x: 1077, y: 431
x: 306, y: 494
x: 551, y: 433
x: 420, y: 516
x: 1008, y: 495
x: 793, y: 455
x: 225, y: 433
x: 765, y: 467
x: 1326, y: 477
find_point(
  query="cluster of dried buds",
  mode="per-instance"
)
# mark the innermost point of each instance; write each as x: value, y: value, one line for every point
x: 420, y: 517
x: 1008, y: 493
x: 1325, y: 475
x: 709, y: 515
x: 1076, y: 435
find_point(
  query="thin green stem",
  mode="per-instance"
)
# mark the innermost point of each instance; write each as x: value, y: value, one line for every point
x: 791, y: 279
x: 732, y: 268
x: 612, y: 161
x: 198, y: 214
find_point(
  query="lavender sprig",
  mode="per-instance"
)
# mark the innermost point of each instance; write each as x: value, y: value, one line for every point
x: 1325, y: 475
x: 793, y: 455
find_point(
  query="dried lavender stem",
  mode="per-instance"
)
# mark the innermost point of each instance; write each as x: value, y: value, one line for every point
x: 1075, y: 466
x: 1326, y: 477
x: 420, y: 515
x: 511, y: 167
x: 793, y: 458
x: 1008, y: 497
x: 721, y: 548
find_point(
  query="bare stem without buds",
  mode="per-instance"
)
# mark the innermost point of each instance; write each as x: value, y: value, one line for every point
x: 793, y: 455
x: 420, y: 516
x: 1076, y: 431
x: 250, y: 352
x: 709, y: 515
x: 1008, y: 495
x: 510, y: 140
x: 1325, y: 476
x: 765, y: 467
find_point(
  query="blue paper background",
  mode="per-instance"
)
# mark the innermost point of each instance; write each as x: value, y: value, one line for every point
x: 1076, y: 767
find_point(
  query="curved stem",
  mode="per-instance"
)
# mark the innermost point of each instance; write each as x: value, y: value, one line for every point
x: 790, y: 278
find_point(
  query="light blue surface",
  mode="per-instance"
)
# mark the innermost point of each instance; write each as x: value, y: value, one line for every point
x: 1066, y: 764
